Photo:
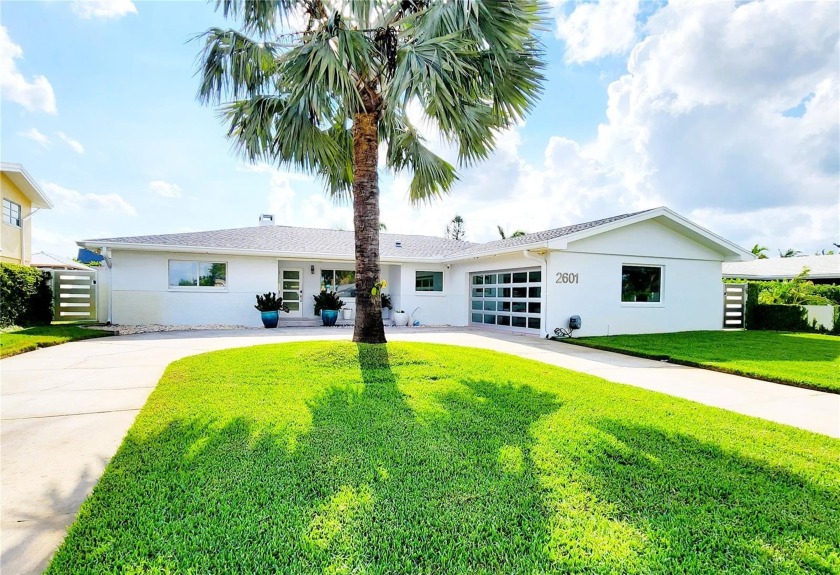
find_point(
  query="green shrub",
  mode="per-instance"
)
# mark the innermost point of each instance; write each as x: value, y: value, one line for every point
x: 828, y: 291
x: 753, y: 289
x: 26, y: 295
x: 780, y: 317
x: 797, y: 291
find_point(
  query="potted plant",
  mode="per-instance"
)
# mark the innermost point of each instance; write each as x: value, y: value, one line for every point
x: 386, y: 306
x: 270, y: 306
x: 328, y: 303
x: 400, y: 317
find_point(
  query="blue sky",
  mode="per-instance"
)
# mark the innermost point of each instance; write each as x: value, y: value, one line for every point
x: 726, y: 112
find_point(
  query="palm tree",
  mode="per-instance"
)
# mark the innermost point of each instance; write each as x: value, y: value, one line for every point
x: 789, y: 253
x: 321, y: 98
x: 759, y: 252
x: 515, y: 234
x: 455, y: 229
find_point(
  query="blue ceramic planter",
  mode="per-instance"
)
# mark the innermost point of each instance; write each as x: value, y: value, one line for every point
x: 270, y: 318
x: 329, y: 316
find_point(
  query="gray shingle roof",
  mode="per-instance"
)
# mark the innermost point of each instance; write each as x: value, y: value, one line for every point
x: 784, y: 268
x: 511, y: 244
x: 287, y: 239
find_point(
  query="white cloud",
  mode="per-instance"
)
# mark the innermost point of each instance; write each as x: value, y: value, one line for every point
x: 75, y: 145
x: 106, y: 9
x: 37, y: 137
x: 50, y: 241
x: 698, y: 118
x: 74, y: 200
x: 294, y: 209
x: 592, y: 30
x: 165, y: 189
x: 36, y: 95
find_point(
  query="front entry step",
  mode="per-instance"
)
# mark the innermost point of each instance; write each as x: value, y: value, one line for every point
x: 310, y: 322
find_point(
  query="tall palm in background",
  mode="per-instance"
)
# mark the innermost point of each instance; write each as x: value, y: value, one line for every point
x: 760, y: 252
x: 317, y: 86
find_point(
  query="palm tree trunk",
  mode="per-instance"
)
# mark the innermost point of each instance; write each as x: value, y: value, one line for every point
x: 368, y: 327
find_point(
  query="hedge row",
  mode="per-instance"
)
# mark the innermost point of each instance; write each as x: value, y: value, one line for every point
x: 781, y: 317
x: 26, y: 295
x: 828, y: 291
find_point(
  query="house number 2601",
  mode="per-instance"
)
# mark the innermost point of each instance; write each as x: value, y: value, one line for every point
x: 564, y: 278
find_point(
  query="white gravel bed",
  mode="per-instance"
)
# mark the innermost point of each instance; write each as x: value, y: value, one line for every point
x: 151, y: 328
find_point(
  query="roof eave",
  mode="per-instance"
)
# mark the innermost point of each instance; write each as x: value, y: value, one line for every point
x: 130, y: 246
x: 21, y: 178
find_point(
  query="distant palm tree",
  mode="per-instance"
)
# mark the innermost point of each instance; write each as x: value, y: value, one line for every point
x: 515, y: 234
x: 789, y: 253
x: 455, y: 229
x: 383, y: 227
x: 759, y: 252
x: 322, y: 98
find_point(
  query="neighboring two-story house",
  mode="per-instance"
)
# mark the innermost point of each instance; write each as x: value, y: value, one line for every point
x: 22, y: 198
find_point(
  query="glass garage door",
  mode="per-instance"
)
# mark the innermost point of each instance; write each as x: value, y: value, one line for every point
x: 509, y: 299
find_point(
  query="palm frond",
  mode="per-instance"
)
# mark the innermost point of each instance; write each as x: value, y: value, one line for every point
x: 278, y: 130
x: 234, y: 65
x: 433, y: 176
x: 259, y: 16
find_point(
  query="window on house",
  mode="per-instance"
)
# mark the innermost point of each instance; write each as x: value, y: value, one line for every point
x: 11, y: 212
x: 428, y: 281
x: 184, y: 274
x: 641, y: 283
x: 342, y: 282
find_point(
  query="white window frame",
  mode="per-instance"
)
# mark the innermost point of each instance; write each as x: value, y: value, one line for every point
x: 660, y: 303
x: 430, y: 292
x: 198, y: 288
x: 9, y: 205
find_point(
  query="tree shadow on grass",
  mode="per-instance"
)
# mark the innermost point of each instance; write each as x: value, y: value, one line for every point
x: 704, y: 510
x: 371, y: 488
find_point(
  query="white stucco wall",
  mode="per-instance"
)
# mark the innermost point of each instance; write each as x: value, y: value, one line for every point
x: 692, y: 294
x: 141, y: 294
x: 435, y: 308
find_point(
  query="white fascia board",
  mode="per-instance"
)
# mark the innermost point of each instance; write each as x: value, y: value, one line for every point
x: 240, y: 252
x: 21, y: 178
x: 508, y: 251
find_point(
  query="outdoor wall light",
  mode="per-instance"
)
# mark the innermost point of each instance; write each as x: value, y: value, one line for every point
x: 312, y: 269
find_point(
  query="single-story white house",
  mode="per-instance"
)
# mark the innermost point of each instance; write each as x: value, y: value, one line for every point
x: 645, y: 272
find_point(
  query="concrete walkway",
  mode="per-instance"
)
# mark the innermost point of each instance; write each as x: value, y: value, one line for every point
x: 65, y: 410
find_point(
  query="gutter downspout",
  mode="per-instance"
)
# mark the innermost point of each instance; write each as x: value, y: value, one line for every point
x: 108, y: 264
x: 23, y: 221
x: 543, y: 261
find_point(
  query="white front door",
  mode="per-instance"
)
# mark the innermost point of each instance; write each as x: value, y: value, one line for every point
x: 291, y: 289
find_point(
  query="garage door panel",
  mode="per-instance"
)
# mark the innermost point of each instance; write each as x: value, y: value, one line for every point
x: 509, y: 299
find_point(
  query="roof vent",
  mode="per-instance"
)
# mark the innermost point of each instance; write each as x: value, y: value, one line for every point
x: 398, y: 244
x: 266, y: 219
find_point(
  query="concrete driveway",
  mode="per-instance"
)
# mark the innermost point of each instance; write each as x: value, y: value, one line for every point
x: 65, y: 410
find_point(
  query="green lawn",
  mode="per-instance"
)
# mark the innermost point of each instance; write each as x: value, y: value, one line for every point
x: 20, y: 340
x: 801, y: 359
x: 327, y: 457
